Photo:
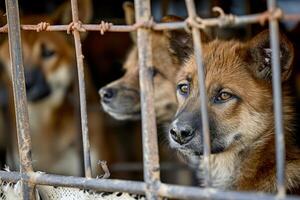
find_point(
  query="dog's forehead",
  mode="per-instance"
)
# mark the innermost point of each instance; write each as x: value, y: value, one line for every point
x: 222, y: 56
x: 220, y: 59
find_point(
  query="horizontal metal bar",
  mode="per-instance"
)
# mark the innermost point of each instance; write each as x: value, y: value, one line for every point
x: 191, y: 193
x: 237, y: 20
x: 109, y: 185
x: 136, y: 187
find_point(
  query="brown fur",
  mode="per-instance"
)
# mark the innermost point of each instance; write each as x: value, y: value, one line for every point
x: 53, y: 122
x: 241, y: 128
x: 165, y: 69
x: 125, y: 103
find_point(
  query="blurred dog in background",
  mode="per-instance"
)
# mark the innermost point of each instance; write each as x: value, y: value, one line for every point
x: 50, y: 75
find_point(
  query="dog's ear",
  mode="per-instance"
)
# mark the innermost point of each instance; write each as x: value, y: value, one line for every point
x: 63, y: 14
x: 259, y: 56
x: 129, y: 14
x: 128, y: 8
x: 180, y: 42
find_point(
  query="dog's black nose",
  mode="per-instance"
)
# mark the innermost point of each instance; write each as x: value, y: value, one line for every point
x: 107, y: 94
x: 181, y: 134
x: 37, y: 87
x: 31, y: 77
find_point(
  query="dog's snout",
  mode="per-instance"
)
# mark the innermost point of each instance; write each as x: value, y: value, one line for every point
x: 37, y: 87
x: 181, y: 134
x: 107, y: 94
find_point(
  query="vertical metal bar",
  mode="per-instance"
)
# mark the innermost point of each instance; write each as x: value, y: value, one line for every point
x: 203, y: 98
x: 77, y: 114
x: 150, y: 146
x: 20, y: 101
x: 83, y: 109
x: 277, y: 98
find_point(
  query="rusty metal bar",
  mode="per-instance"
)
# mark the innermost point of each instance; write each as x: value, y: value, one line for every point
x: 234, y: 21
x: 202, y: 90
x: 150, y: 145
x: 20, y: 101
x: 277, y: 98
x: 82, y: 93
x: 79, y: 182
x: 193, y: 193
x: 136, y: 187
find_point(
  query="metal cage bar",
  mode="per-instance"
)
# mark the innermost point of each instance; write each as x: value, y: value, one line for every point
x: 150, y: 146
x: 137, y: 187
x: 202, y: 90
x: 82, y: 93
x: 277, y: 98
x: 19, y: 92
x: 210, y: 22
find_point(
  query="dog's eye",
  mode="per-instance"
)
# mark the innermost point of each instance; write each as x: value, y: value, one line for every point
x: 222, y: 97
x: 183, y: 89
x: 46, y: 52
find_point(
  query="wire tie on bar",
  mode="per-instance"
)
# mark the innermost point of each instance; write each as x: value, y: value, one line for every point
x: 42, y: 26
x: 104, y: 27
x: 145, y: 24
x: 75, y: 26
x: 225, y: 19
x: 267, y: 15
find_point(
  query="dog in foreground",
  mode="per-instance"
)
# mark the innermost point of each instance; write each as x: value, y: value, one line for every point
x: 238, y: 81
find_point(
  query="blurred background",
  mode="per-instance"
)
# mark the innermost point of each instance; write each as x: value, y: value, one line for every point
x: 104, y: 57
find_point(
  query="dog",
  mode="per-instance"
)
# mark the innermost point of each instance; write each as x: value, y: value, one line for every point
x: 121, y: 98
x: 238, y: 82
x: 50, y: 78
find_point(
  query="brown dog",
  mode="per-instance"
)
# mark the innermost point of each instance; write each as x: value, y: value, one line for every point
x: 121, y: 98
x: 49, y: 64
x: 240, y: 108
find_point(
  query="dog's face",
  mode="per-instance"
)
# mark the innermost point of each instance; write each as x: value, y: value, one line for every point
x: 239, y: 95
x: 48, y: 65
x: 121, y: 98
x: 49, y: 57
